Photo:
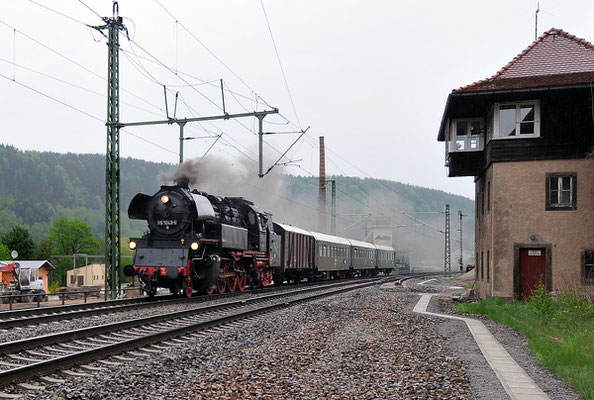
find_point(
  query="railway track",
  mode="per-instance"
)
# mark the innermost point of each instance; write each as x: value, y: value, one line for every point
x: 41, y: 355
x: 34, y: 316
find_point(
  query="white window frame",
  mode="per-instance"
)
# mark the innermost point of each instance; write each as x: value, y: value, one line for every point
x: 559, y: 189
x: 467, y: 138
x: 557, y: 178
x: 518, y: 105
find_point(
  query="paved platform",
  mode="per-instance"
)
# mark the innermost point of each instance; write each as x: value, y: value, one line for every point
x: 516, y: 382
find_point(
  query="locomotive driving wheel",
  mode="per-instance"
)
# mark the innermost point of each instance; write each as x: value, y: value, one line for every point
x: 221, y: 285
x: 150, y: 289
x: 188, y: 289
x: 241, y: 282
x: 232, y: 284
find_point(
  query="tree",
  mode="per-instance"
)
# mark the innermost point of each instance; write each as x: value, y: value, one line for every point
x: 44, y: 249
x: 18, y: 239
x: 72, y: 236
x: 67, y: 237
x: 4, y: 252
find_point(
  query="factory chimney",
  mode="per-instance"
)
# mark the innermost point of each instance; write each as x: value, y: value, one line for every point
x: 322, y: 189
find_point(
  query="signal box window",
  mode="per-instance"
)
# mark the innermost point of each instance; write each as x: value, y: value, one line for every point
x: 561, y: 192
x: 514, y: 120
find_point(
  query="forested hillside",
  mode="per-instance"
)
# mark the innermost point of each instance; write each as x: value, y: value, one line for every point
x: 37, y: 188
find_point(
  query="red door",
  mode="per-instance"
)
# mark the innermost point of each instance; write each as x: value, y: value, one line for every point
x: 532, y: 271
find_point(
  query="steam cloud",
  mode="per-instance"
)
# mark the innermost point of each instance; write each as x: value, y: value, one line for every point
x: 296, y: 204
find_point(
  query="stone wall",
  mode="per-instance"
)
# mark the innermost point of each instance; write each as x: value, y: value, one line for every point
x: 518, y: 218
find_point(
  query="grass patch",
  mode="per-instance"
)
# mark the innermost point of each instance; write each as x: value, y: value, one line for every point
x: 560, y: 333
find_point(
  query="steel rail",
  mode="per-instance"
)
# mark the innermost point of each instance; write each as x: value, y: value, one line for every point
x: 33, y: 316
x: 27, y: 312
x: 65, y: 361
x: 52, y: 338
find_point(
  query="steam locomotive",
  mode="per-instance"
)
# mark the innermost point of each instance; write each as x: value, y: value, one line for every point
x: 198, y: 242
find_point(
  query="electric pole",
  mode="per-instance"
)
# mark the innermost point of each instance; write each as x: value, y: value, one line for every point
x: 181, y: 141
x: 447, y: 262
x: 112, y: 171
x: 112, y: 164
x: 461, y: 261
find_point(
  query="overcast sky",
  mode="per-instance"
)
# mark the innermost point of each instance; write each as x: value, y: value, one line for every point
x: 370, y: 76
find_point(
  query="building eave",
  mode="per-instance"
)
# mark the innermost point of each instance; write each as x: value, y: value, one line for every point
x: 441, y: 133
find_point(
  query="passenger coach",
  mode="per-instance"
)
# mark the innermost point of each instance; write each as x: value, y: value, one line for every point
x: 333, y: 255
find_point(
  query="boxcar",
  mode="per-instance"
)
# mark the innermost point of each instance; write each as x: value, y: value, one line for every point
x: 296, y: 253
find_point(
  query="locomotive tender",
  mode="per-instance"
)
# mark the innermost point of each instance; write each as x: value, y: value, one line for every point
x: 200, y: 242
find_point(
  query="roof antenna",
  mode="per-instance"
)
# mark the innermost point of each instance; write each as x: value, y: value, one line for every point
x: 536, y: 20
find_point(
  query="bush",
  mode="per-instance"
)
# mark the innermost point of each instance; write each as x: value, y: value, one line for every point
x: 573, y: 309
x: 54, y: 287
x: 542, y: 303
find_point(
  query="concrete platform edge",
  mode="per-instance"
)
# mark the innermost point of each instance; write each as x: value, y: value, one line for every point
x: 507, y: 370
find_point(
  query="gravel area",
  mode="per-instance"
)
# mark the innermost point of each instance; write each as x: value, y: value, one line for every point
x: 357, y: 345
x: 483, y: 380
x: 366, y: 344
x: 18, y: 333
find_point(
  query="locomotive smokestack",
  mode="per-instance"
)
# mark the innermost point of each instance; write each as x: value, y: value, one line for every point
x: 183, y: 181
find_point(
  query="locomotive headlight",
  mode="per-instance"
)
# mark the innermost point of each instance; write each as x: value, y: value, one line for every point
x: 132, y: 245
x: 194, y: 246
x: 164, y: 199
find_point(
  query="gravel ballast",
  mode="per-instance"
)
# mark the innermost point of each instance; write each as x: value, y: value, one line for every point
x: 359, y: 345
x: 364, y: 344
x: 18, y: 333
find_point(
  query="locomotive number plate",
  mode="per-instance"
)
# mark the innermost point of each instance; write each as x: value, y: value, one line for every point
x: 167, y: 222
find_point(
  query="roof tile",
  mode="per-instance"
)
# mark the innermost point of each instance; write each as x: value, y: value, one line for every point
x: 555, y: 58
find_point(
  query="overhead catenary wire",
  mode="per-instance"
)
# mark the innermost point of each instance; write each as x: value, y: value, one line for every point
x: 155, y: 59
x: 224, y: 64
x: 177, y: 72
x: 280, y: 64
x: 80, y: 111
x: 139, y: 137
x: 74, y: 62
x: 195, y: 89
x: 204, y: 45
x: 172, y: 151
x: 51, y: 98
x: 59, y: 13
x: 90, y: 9
x: 173, y: 72
x: 103, y: 95
x: 100, y: 119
